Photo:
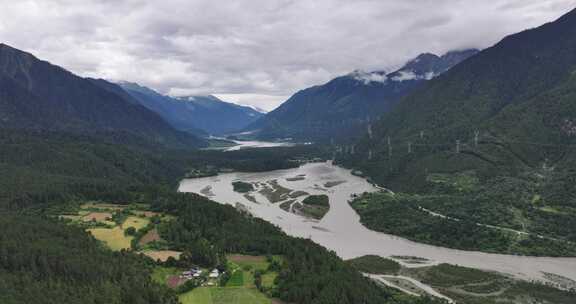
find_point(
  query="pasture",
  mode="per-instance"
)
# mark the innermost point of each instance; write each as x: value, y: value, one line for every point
x: 113, y: 238
x: 136, y: 222
x: 224, y: 295
x: 162, y: 255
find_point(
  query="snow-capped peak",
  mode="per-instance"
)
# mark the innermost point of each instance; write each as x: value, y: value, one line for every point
x: 405, y: 75
x: 369, y: 77
x: 257, y: 109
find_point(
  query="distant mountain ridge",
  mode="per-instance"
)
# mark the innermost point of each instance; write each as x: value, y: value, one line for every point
x: 521, y: 90
x: 491, y: 141
x: 195, y: 114
x: 343, y: 106
x: 37, y: 95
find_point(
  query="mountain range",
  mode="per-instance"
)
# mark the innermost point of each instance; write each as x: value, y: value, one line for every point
x: 519, y: 91
x: 342, y: 107
x: 200, y: 115
x: 37, y: 95
x: 490, y: 143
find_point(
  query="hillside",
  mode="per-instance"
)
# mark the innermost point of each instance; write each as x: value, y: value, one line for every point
x: 342, y: 107
x: 493, y: 138
x: 195, y: 114
x: 36, y: 95
x: 46, y: 174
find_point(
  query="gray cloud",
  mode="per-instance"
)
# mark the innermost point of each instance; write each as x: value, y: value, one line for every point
x: 255, y: 51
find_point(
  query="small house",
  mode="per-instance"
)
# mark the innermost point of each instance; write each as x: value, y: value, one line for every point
x: 214, y: 274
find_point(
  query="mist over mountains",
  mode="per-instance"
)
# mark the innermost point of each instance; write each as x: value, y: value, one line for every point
x: 341, y: 108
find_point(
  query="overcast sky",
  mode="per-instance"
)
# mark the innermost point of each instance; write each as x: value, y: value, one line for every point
x: 256, y: 52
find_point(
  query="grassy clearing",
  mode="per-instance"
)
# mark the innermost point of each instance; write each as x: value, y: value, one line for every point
x: 103, y: 206
x: 102, y: 217
x: 160, y: 274
x: 142, y: 213
x: 237, y: 279
x: 248, y: 261
x: 238, y: 296
x: 162, y: 255
x: 150, y: 236
x: 113, y: 238
x: 136, y: 222
x: 217, y: 295
x: 268, y: 279
x: 201, y: 295
x: 102, y: 221
x: 246, y: 265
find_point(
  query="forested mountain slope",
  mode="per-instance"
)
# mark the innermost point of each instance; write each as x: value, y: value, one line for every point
x: 37, y: 95
x: 342, y: 107
x: 195, y: 114
x: 491, y: 140
x: 47, y: 256
x: 44, y: 261
x: 519, y: 90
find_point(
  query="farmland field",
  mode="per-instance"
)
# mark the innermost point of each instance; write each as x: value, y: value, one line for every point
x: 254, y: 262
x: 103, y: 206
x: 162, y: 255
x: 160, y: 274
x: 114, y: 238
x: 149, y: 237
x: 97, y: 216
x: 268, y: 279
x: 136, y: 222
x: 237, y: 279
x: 227, y: 295
x: 248, y: 264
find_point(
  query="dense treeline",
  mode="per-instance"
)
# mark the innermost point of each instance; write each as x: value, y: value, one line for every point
x: 261, y: 159
x: 507, y: 116
x: 44, y: 261
x: 310, y: 274
x: 48, y: 260
x: 409, y: 216
x: 40, y: 166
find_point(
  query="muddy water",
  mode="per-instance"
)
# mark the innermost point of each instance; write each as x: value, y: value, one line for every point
x: 340, y: 230
x: 256, y: 144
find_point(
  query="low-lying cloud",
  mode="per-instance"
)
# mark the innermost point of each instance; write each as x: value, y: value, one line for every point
x: 264, y: 48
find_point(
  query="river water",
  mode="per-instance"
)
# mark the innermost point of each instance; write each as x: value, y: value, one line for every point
x: 245, y: 144
x: 340, y: 230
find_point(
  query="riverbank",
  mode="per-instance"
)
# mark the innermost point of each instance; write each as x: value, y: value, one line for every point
x: 462, y: 285
x: 403, y: 215
x: 340, y: 230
